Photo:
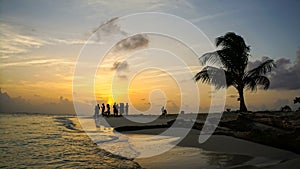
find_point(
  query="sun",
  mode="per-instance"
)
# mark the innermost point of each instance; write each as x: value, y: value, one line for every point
x: 110, y: 101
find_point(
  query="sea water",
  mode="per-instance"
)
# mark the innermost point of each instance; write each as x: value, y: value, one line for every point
x: 41, y: 141
x: 45, y: 141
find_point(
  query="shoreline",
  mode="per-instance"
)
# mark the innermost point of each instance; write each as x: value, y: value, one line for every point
x: 246, y: 153
x: 264, y: 156
x: 262, y: 129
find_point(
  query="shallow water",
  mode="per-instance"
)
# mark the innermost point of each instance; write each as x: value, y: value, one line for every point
x: 41, y: 141
x: 38, y: 141
x: 157, y: 151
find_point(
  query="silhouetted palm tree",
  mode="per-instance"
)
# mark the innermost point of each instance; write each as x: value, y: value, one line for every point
x: 233, y: 56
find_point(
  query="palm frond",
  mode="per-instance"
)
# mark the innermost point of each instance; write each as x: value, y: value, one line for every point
x: 203, y: 76
x: 209, y: 58
x: 225, y: 58
x: 263, y: 81
x: 251, y: 83
x: 262, y: 69
x: 213, y: 75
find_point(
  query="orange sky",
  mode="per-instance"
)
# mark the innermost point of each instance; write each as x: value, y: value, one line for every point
x: 122, y: 77
x: 39, y: 52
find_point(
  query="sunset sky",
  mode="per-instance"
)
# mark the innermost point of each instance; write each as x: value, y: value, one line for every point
x: 40, y: 42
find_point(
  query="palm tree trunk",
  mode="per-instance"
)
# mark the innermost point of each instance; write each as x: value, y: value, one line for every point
x: 243, y: 107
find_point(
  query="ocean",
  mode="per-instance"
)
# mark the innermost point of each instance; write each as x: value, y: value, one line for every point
x: 50, y: 141
x: 41, y: 141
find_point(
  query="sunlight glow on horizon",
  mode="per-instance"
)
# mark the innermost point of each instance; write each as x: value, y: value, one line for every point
x: 38, y: 52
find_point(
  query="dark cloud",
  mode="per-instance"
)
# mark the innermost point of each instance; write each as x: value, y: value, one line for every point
x: 133, y: 42
x: 256, y: 63
x: 122, y: 76
x: 120, y: 66
x: 111, y: 27
x: 108, y: 28
x: 19, y: 104
x: 286, y: 75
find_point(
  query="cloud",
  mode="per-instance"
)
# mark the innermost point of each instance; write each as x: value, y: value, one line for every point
x: 254, y: 64
x: 134, y: 5
x: 37, y: 62
x: 124, y: 77
x: 16, y: 40
x: 19, y: 104
x: 13, y: 42
x: 107, y: 28
x: 120, y: 66
x: 213, y: 16
x: 72, y: 41
x: 285, y: 75
x: 133, y: 42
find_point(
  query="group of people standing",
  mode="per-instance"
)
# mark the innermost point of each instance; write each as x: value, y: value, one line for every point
x: 117, y: 110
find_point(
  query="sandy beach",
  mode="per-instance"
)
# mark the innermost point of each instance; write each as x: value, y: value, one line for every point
x: 218, y: 150
x: 183, y: 155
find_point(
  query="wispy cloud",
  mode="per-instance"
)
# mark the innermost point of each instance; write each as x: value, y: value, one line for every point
x: 212, y: 16
x: 16, y: 41
x: 37, y: 62
x: 12, y: 42
x: 108, y: 28
x: 72, y: 41
x: 146, y: 5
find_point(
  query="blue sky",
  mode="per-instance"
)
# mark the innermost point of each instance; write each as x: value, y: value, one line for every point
x: 270, y: 27
x: 40, y: 40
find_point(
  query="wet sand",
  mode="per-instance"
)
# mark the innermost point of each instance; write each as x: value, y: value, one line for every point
x: 261, y: 155
x: 189, y: 152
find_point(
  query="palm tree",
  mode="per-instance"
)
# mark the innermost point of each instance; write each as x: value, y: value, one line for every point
x: 232, y: 59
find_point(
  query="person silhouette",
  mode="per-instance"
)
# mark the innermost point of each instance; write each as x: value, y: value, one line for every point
x: 108, y: 110
x: 165, y: 113
x: 118, y: 107
x: 126, y: 109
x: 103, y: 109
x: 97, y: 108
x: 162, y: 110
x: 115, y: 109
x: 121, y: 108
